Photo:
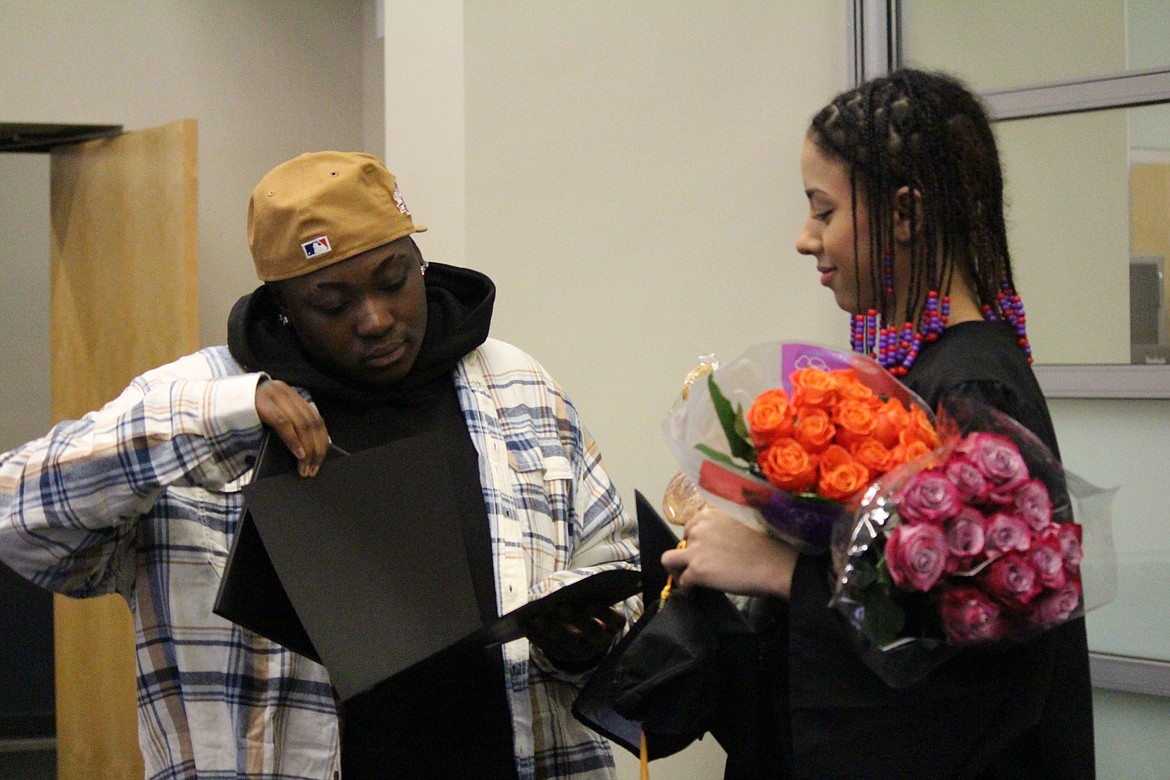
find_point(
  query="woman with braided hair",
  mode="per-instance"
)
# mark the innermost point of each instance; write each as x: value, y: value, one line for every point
x: 906, y: 224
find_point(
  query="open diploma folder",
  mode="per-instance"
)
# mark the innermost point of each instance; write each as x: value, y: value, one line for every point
x: 363, y: 567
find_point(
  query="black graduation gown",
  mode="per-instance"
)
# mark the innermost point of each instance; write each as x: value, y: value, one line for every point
x: 1024, y: 712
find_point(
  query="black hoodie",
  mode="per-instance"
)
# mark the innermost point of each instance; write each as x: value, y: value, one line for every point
x: 459, y: 313
x: 448, y: 716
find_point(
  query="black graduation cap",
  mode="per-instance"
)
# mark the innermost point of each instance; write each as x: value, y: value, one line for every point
x: 364, y: 568
x: 594, y: 705
x: 682, y: 671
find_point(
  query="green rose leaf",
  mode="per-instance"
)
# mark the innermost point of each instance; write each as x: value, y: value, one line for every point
x: 731, y: 419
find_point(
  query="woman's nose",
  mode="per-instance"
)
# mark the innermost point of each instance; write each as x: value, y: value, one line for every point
x: 806, y: 242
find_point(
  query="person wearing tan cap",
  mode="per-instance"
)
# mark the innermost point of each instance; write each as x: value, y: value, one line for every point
x: 352, y: 341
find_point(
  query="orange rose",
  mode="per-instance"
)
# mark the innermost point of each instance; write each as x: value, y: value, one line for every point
x: 855, y: 420
x: 920, y: 428
x: 892, y: 418
x: 907, y: 450
x: 850, y: 389
x: 814, y: 429
x: 872, y: 454
x: 770, y: 417
x: 789, y: 466
x: 840, y: 475
x: 845, y: 376
x: 813, y: 387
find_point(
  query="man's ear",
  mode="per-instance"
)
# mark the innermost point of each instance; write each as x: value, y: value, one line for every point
x: 907, y: 204
x: 276, y: 292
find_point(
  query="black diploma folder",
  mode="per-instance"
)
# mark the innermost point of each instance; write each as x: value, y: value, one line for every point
x: 364, y: 568
x: 251, y: 593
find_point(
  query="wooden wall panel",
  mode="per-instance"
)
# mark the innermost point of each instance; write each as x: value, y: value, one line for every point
x: 124, y: 298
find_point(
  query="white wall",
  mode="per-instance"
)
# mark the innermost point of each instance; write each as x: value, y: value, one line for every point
x: 628, y: 175
x: 266, y: 80
x: 631, y: 183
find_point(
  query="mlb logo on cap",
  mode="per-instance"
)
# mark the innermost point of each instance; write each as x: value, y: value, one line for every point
x: 318, y: 246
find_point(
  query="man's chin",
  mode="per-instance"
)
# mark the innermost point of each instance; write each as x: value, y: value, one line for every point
x: 381, y: 376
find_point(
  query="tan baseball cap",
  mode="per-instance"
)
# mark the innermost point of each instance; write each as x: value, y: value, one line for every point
x: 320, y: 208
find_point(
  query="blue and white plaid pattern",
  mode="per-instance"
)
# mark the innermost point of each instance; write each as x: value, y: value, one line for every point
x: 142, y: 498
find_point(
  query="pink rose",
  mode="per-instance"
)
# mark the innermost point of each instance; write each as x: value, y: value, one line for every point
x: 1070, y: 545
x: 963, y: 474
x: 1011, y: 578
x: 1033, y: 504
x: 970, y: 615
x: 1046, y: 555
x: 965, y: 533
x: 998, y: 459
x: 916, y: 555
x: 1056, y: 607
x: 929, y: 497
x: 1006, y: 532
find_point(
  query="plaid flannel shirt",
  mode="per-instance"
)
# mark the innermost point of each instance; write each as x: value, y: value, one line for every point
x: 142, y: 498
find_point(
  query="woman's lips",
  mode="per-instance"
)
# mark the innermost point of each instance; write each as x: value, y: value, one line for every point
x: 827, y: 275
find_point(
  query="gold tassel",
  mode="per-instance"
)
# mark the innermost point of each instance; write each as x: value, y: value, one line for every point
x: 665, y: 594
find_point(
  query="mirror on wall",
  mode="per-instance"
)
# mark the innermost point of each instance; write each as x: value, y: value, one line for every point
x: 1087, y: 185
x: 1089, y: 226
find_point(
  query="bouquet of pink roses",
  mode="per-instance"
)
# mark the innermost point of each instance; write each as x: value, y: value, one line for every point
x: 972, y: 544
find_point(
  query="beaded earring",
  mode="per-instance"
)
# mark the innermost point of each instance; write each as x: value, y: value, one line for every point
x: 898, y: 347
x: 864, y: 335
x: 888, y: 273
x: 1011, y: 307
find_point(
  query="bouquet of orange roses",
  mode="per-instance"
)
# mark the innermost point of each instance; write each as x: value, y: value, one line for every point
x: 820, y: 425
